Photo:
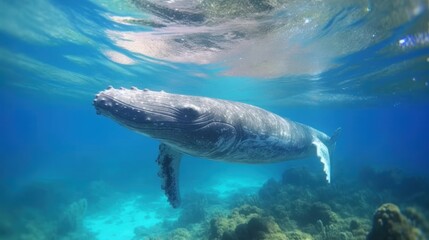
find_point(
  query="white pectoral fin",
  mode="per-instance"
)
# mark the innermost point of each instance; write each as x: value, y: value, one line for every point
x: 323, y: 154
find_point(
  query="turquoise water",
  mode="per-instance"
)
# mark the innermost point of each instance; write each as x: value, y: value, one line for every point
x: 67, y: 173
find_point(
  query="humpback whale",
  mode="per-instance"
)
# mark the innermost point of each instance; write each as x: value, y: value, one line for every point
x: 211, y: 128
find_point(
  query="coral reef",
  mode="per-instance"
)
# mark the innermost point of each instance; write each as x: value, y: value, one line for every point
x: 269, y: 192
x: 221, y: 226
x: 246, y: 222
x: 175, y: 234
x: 72, y: 219
x: 259, y: 228
x: 417, y: 218
x: 299, y: 206
x: 180, y: 234
x: 389, y: 223
x: 35, y: 212
x: 45, y: 196
x: 298, y: 235
x: 295, y: 203
x: 194, y: 210
x: 241, y: 198
x: 311, y: 213
x: 343, y: 209
x: 302, y: 206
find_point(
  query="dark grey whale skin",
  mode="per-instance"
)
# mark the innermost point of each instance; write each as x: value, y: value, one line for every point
x: 212, y: 128
x: 209, y: 128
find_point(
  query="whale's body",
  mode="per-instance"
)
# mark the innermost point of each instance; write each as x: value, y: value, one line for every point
x: 210, y: 128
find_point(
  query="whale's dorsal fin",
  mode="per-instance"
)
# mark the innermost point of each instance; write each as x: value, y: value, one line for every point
x: 323, y: 154
x: 169, y: 164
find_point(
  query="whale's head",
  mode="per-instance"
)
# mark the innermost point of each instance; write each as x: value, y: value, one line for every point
x: 192, y: 124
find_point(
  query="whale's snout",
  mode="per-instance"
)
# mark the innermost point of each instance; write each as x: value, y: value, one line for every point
x: 163, y: 116
x: 102, y: 103
x: 134, y: 108
x: 113, y: 101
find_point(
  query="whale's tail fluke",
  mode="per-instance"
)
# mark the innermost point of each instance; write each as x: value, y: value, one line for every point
x: 323, y: 154
x: 332, y: 142
x: 333, y: 139
x: 325, y: 149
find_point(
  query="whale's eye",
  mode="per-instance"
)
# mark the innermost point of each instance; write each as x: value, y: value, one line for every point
x: 189, y: 113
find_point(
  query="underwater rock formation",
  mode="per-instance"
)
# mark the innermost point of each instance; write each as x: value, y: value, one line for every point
x: 246, y: 222
x: 389, y: 223
x: 242, y: 198
x: 299, y: 207
x: 258, y: 228
x: 36, y: 212
x: 302, y: 201
x: 194, y: 210
x: 180, y: 234
x: 176, y: 234
x: 298, y: 235
x: 417, y: 219
x: 221, y: 226
x: 311, y: 213
x: 269, y: 191
x: 44, y: 196
x: 72, y: 219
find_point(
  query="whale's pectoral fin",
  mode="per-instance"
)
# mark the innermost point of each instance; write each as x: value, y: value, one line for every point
x: 323, y: 154
x: 169, y: 164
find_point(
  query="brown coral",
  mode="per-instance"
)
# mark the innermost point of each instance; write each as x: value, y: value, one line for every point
x: 246, y: 222
x: 389, y: 223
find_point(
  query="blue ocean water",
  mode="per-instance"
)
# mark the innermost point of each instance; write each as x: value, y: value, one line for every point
x: 67, y: 173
